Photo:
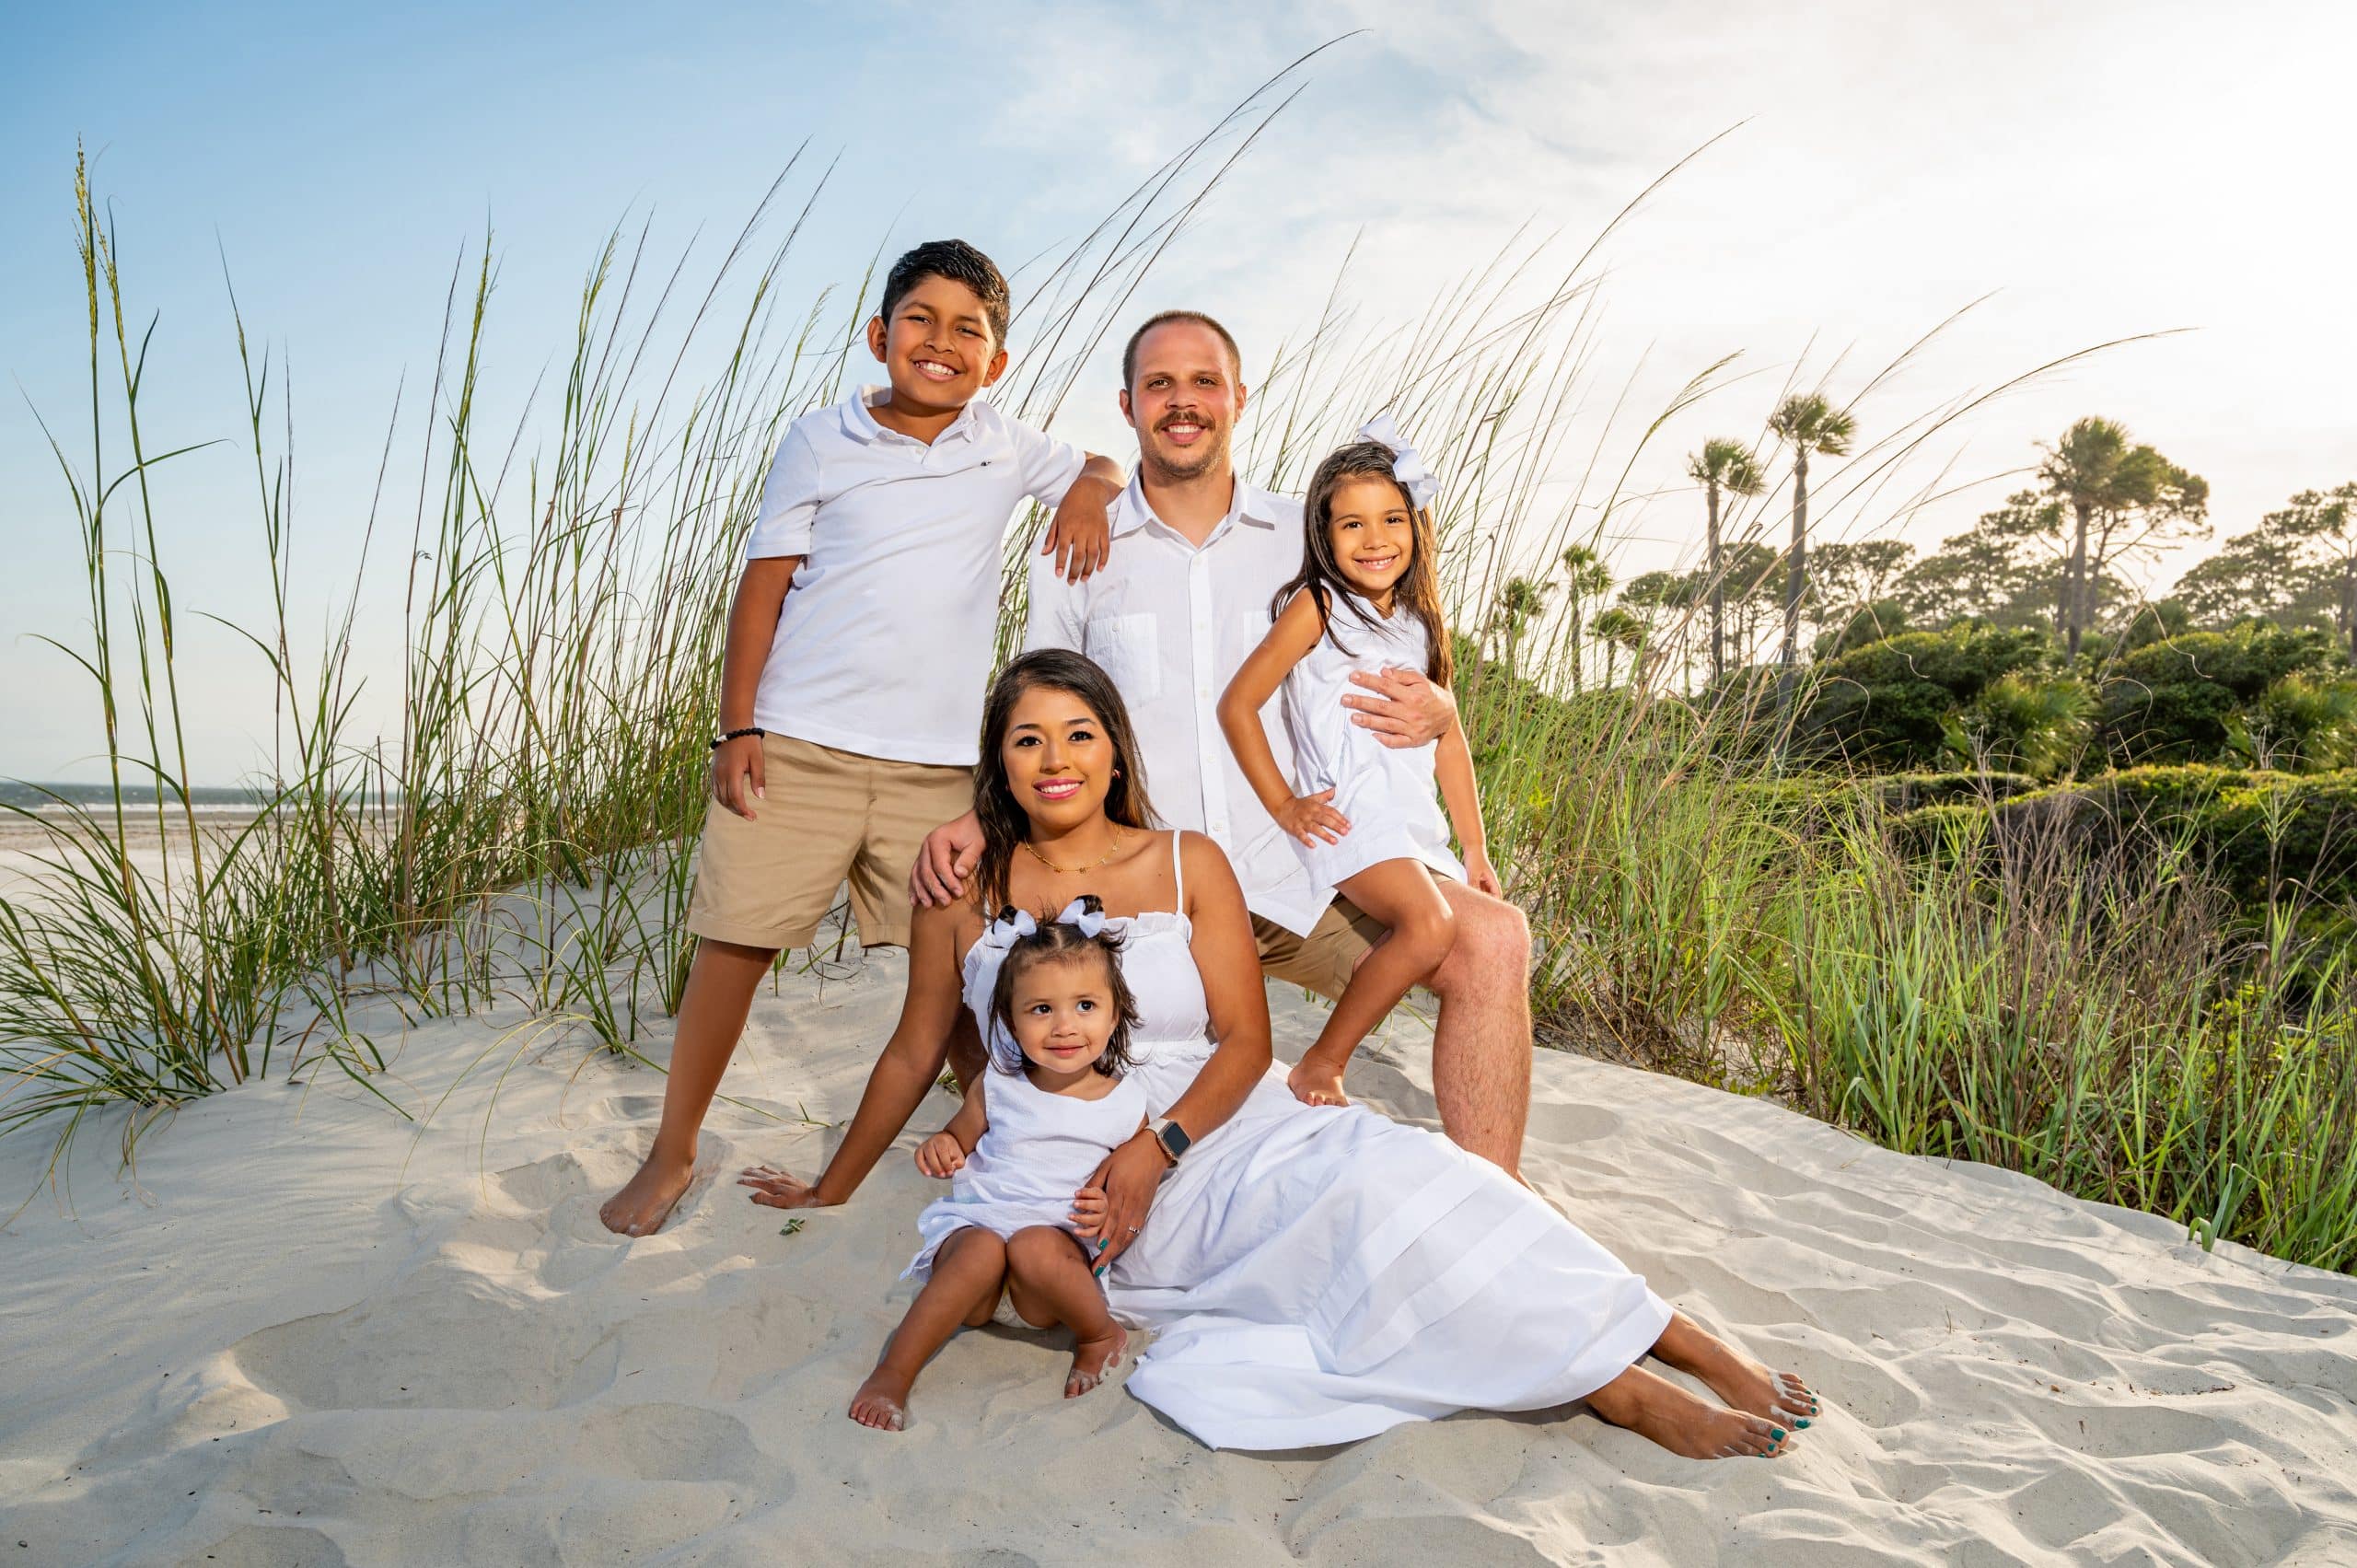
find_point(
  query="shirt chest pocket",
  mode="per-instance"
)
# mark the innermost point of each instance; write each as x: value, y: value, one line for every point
x: 1129, y: 648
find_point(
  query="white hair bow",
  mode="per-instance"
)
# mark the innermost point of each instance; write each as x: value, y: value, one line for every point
x: 1010, y: 927
x: 1407, y: 466
x: 1090, y: 922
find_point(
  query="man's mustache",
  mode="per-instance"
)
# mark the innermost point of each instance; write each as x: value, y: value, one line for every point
x: 1168, y: 420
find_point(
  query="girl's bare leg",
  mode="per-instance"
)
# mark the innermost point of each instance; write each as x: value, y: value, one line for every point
x: 1403, y: 896
x: 712, y: 1015
x: 969, y: 1272
x: 1779, y: 1397
x: 1048, y: 1278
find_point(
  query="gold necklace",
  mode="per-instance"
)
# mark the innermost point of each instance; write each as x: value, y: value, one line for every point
x: 1072, y: 870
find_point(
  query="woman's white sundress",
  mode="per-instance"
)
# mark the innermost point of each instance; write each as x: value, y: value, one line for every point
x: 1317, y: 1274
x: 1386, y: 792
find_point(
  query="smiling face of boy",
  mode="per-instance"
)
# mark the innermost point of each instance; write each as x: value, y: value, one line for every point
x: 937, y: 348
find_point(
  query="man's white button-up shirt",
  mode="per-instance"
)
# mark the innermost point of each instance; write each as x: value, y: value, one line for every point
x: 1172, y: 623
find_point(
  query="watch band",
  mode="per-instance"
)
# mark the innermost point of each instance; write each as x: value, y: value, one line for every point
x: 1174, y: 1140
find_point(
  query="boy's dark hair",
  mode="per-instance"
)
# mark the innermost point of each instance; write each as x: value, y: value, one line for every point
x: 1054, y: 942
x: 1418, y: 590
x: 959, y: 262
x: 1129, y: 350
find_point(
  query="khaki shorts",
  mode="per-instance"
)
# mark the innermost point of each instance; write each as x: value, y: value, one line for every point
x: 827, y: 817
x: 1321, y: 962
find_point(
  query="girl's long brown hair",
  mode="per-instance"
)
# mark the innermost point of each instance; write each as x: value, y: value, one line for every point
x: 1418, y: 589
x: 1005, y: 824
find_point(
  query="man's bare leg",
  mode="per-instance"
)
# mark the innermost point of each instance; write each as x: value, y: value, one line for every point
x: 1481, y: 1039
x: 712, y: 1015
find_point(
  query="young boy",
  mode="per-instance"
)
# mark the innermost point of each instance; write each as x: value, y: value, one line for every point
x: 858, y: 644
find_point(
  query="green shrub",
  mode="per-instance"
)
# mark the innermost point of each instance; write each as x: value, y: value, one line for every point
x: 2184, y: 700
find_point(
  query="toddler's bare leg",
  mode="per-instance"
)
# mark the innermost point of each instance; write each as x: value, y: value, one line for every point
x: 1403, y: 896
x: 712, y: 1015
x: 1048, y: 1278
x: 968, y: 1272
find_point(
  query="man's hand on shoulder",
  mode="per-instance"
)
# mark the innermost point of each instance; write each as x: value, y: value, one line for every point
x: 1407, y: 709
x: 945, y: 860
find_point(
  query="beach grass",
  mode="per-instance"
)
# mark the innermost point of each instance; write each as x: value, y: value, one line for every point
x: 516, y: 838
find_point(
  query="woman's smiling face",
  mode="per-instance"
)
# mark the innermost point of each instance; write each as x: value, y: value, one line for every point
x: 1058, y: 760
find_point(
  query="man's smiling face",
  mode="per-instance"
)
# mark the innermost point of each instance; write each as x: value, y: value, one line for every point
x: 938, y: 349
x: 1183, y: 400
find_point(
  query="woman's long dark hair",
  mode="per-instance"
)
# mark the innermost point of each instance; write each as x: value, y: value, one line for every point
x: 1005, y: 824
x: 1054, y: 942
x: 1418, y: 589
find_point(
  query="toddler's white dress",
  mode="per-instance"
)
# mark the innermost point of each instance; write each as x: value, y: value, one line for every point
x: 1036, y: 1152
x: 1386, y: 792
x: 1318, y: 1273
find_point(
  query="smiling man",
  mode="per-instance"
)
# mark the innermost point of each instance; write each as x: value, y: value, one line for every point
x: 1184, y: 598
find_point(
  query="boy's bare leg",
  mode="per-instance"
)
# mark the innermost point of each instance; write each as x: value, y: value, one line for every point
x: 1048, y: 1278
x: 968, y: 1272
x: 711, y: 1015
x: 1481, y: 1039
x: 1419, y: 930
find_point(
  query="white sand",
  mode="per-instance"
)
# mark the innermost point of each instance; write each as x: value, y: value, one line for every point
x: 311, y: 1334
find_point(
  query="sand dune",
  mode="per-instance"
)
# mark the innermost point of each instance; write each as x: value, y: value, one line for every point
x: 311, y: 1334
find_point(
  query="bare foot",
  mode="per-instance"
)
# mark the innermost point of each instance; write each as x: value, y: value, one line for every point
x: 882, y: 1401
x: 647, y: 1199
x: 1317, y: 1081
x: 1652, y: 1406
x: 1092, y: 1358
x: 1742, y: 1382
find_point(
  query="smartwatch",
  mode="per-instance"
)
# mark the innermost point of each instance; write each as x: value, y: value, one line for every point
x: 1174, y: 1140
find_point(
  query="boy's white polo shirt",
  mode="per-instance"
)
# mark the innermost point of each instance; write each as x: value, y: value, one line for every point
x: 883, y: 646
x: 1172, y: 623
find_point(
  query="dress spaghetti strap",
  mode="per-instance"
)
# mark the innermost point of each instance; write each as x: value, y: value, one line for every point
x: 1178, y: 869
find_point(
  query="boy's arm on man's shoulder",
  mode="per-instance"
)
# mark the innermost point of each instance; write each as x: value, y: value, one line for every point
x: 1082, y: 532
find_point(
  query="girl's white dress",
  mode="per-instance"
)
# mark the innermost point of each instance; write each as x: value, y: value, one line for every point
x: 1032, y: 1157
x: 1386, y: 792
x: 1316, y: 1274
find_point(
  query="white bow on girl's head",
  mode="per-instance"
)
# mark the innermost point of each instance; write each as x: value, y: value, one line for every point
x: 1009, y: 927
x: 1407, y: 467
x: 1090, y: 921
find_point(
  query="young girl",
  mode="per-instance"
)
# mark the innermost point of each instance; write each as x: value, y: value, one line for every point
x: 1365, y: 823
x: 1004, y: 1247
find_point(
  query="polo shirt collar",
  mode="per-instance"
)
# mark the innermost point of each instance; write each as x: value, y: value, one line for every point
x: 1246, y: 503
x: 860, y: 425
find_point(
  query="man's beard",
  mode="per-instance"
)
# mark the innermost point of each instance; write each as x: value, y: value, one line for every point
x: 1187, y: 462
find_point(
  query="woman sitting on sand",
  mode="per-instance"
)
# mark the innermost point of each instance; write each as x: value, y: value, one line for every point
x: 1312, y: 1274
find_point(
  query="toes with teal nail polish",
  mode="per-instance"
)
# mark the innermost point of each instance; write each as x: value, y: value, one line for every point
x: 1803, y: 1422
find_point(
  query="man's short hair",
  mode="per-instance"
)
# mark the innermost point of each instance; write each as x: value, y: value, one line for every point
x: 959, y: 262
x: 1130, y: 354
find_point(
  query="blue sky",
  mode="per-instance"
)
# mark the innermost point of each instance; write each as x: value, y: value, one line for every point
x: 2109, y: 168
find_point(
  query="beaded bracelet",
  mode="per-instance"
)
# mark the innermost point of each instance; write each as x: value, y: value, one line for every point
x: 738, y: 735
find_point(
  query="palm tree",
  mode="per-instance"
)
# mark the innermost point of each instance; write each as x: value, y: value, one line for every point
x: 2138, y: 494
x: 1721, y: 466
x: 1586, y: 577
x: 1811, y: 424
x: 1620, y: 629
x: 1520, y: 601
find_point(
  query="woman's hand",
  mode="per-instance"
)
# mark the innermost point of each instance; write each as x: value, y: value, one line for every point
x: 1311, y: 817
x: 736, y: 778
x: 941, y: 1155
x: 781, y: 1189
x: 1128, y: 1179
x: 1481, y: 876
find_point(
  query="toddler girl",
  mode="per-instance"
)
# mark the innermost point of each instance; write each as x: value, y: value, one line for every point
x: 1364, y: 823
x: 1004, y: 1247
